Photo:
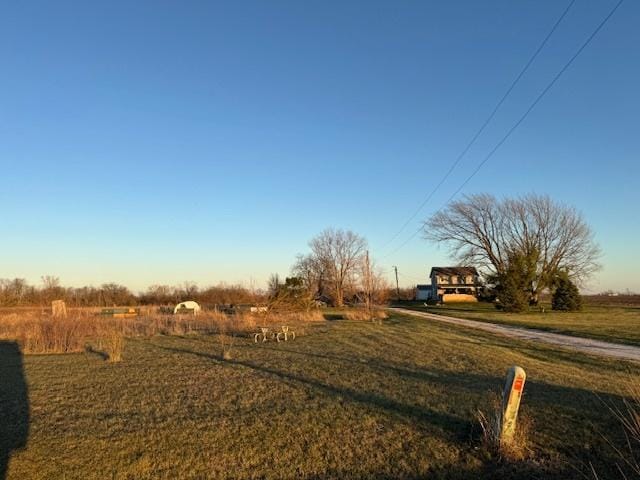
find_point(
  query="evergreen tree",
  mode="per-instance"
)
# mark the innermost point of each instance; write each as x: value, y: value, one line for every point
x: 566, y: 296
x: 514, y: 285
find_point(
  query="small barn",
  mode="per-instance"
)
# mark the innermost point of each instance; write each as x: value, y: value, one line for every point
x: 423, y: 292
x: 187, y: 307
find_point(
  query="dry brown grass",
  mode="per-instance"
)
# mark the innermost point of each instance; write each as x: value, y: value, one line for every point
x: 226, y: 336
x: 304, y: 316
x: 364, y: 314
x: 519, y: 447
x: 362, y: 404
x: 629, y: 417
x: 36, y: 332
x: 113, y: 342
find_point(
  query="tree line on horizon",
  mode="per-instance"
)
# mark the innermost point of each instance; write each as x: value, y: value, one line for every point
x: 18, y: 292
x: 522, y: 247
x: 337, y: 270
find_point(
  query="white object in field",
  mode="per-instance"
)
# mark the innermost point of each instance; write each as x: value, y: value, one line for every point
x: 511, y: 396
x: 259, y: 309
x: 189, y: 305
x: 263, y: 334
x: 59, y: 309
x: 285, y: 334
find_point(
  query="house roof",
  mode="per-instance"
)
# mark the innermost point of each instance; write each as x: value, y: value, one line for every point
x: 423, y: 287
x: 454, y: 271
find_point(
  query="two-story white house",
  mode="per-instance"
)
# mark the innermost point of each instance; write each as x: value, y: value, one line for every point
x: 451, y: 284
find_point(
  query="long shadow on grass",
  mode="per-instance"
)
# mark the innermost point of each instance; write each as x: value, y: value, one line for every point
x: 582, y: 409
x: 474, y: 381
x: 450, y: 425
x: 570, y: 407
x: 14, y: 404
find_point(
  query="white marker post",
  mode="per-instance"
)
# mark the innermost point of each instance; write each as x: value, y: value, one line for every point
x: 511, y: 403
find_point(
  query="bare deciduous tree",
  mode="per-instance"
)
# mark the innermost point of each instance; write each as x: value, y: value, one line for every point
x: 310, y: 271
x: 366, y: 277
x: 335, y: 258
x: 483, y: 231
x: 372, y: 283
x: 15, y: 291
x: 273, y: 284
x: 51, y: 289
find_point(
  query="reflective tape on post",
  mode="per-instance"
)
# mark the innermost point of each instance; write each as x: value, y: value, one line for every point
x: 516, y: 377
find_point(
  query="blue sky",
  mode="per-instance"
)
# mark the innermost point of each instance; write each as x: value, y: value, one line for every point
x: 158, y: 142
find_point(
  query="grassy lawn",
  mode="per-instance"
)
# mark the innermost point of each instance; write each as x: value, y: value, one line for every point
x: 345, y: 400
x: 619, y: 324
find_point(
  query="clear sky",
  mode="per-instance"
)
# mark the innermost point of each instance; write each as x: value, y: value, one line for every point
x: 157, y: 142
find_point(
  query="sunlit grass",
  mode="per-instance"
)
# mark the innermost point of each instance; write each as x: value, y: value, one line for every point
x: 610, y: 323
x: 348, y: 399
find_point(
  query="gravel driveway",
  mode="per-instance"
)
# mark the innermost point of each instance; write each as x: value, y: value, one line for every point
x: 586, y: 345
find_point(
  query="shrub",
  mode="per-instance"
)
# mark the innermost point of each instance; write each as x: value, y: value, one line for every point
x: 566, y: 296
x: 513, y: 287
x: 113, y: 345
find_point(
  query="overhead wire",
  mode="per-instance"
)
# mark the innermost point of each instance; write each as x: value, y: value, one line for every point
x: 484, y: 125
x: 519, y: 121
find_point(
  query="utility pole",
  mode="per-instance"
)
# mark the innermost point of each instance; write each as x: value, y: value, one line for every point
x: 397, y: 286
x: 368, y: 286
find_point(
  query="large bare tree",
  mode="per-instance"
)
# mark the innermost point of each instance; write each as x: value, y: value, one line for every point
x: 309, y: 269
x: 334, y: 261
x: 483, y: 231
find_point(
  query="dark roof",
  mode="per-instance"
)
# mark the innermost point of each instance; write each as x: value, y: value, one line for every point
x: 454, y: 271
x: 423, y: 287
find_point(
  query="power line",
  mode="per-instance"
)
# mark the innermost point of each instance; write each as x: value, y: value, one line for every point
x: 521, y: 119
x: 484, y: 125
x: 413, y: 235
x: 409, y: 277
x: 536, y: 101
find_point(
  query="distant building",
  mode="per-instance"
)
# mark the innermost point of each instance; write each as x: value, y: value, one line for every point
x: 454, y: 284
x: 187, y: 307
x: 423, y: 292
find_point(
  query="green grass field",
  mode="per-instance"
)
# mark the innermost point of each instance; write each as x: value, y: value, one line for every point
x: 346, y: 400
x: 619, y: 324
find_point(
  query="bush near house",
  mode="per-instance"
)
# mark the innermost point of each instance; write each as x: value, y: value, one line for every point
x: 566, y: 296
x: 514, y: 285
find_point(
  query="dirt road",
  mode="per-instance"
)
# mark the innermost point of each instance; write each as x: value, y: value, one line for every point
x: 586, y: 345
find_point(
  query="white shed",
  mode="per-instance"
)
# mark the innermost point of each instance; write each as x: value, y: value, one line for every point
x: 187, y: 307
x: 423, y: 292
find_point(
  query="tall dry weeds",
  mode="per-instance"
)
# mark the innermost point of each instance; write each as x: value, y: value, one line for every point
x: 366, y: 314
x: 38, y: 333
x: 115, y: 343
x: 628, y: 415
x: 519, y: 447
x: 226, y: 336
